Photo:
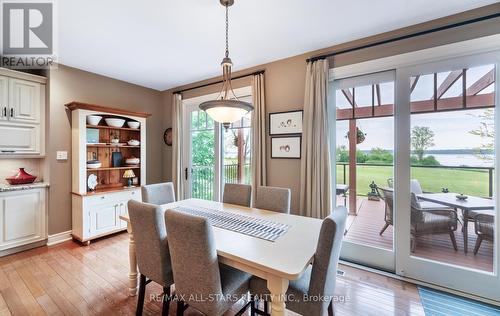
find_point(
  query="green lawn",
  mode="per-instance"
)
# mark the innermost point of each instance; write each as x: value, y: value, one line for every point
x: 466, y: 181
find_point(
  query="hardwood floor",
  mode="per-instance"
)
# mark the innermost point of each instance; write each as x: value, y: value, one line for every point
x: 365, y: 227
x: 70, y: 279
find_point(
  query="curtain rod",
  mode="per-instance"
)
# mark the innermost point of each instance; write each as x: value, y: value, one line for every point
x: 220, y: 81
x: 403, y: 37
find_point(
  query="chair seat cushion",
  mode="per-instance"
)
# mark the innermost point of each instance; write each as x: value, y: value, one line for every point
x: 426, y: 205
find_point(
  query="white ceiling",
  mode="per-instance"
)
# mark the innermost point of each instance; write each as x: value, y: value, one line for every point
x: 163, y: 43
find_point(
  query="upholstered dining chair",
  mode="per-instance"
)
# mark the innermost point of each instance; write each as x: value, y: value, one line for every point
x: 197, y: 273
x: 159, y: 193
x: 239, y: 194
x: 273, y: 199
x: 152, y: 250
x: 318, y: 280
x: 387, y: 196
x: 483, y: 226
x: 425, y: 221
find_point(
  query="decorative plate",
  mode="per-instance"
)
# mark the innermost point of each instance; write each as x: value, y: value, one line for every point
x: 92, y: 182
x: 167, y: 136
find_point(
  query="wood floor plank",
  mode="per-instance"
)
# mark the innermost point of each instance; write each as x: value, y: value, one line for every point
x: 48, y: 305
x: 24, y: 293
x: 13, y: 301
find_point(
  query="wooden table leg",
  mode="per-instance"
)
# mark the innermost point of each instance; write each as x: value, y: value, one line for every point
x: 465, y: 231
x: 277, y: 286
x: 132, y: 275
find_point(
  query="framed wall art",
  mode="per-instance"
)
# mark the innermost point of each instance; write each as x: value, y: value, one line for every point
x: 281, y: 123
x: 286, y: 147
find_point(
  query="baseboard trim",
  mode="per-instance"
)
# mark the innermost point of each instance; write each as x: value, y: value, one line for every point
x: 421, y: 283
x: 59, y: 238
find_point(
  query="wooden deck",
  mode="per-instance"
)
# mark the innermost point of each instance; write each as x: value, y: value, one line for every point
x: 365, y: 227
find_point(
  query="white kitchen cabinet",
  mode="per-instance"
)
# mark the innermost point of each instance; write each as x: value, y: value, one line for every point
x: 4, y: 98
x: 24, y: 101
x: 100, y: 213
x: 22, y: 114
x: 23, y: 218
x: 20, y: 138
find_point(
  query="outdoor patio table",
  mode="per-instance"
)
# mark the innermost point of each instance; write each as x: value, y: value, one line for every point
x: 472, y: 203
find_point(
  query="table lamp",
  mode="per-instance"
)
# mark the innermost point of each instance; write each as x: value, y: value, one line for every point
x: 129, y: 174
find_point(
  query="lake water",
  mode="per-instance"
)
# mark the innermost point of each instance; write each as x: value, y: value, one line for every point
x: 463, y: 160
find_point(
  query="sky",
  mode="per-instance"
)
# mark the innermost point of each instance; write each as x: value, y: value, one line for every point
x: 451, y: 129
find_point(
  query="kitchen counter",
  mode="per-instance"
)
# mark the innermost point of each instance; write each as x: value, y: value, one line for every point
x: 4, y: 187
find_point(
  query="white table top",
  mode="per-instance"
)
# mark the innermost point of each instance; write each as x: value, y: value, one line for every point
x: 449, y: 199
x: 287, y: 257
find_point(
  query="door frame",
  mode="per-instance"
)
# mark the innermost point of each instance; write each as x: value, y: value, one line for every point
x: 192, y: 104
x: 485, y: 285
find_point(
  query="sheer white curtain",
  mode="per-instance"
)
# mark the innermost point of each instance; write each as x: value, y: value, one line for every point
x: 177, y: 146
x: 315, y: 195
x: 259, y: 169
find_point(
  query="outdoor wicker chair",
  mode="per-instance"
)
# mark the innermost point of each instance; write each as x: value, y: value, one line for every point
x: 387, y: 196
x: 483, y: 225
x: 425, y: 221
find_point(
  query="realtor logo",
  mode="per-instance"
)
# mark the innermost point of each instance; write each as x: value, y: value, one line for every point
x: 27, y: 28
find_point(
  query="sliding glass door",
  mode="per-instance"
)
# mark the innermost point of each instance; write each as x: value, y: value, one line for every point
x: 364, y: 152
x: 213, y: 155
x: 416, y: 165
x: 446, y: 192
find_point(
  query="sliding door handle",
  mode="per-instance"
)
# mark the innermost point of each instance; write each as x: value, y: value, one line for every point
x: 186, y: 173
x: 11, y: 112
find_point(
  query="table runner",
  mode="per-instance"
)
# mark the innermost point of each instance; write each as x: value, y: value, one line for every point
x: 255, y: 227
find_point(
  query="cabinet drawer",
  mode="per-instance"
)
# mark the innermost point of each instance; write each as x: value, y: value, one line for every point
x: 20, y: 138
x: 115, y: 197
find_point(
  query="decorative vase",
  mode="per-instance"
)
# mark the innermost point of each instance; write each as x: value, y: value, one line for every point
x: 22, y: 177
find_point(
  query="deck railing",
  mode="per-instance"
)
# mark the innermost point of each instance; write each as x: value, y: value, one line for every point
x: 202, y: 185
x: 476, y: 181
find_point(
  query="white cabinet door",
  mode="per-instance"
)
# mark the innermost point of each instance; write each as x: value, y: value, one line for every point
x: 19, y: 138
x: 4, y: 98
x: 21, y: 218
x: 104, y: 218
x: 24, y: 101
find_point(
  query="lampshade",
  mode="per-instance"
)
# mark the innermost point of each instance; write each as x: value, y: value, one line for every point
x: 226, y: 111
x: 128, y: 174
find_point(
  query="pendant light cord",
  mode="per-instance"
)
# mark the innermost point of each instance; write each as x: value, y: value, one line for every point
x: 227, y: 31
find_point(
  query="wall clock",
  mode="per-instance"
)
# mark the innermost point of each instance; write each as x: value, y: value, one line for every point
x: 167, y: 136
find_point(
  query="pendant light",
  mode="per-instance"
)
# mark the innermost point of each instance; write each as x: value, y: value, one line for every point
x: 227, y: 108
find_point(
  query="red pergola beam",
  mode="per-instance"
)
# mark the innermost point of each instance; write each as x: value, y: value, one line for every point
x: 348, y: 95
x: 448, y: 82
x: 455, y: 103
x: 482, y: 83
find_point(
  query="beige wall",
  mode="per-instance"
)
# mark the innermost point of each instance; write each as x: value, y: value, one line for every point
x: 285, y: 79
x: 68, y: 84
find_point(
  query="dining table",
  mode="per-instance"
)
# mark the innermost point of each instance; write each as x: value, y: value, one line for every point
x: 278, y: 261
x: 467, y: 205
